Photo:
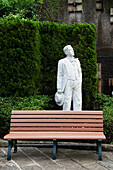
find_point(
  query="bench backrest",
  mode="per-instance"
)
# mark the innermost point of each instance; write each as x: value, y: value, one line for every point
x: 79, y: 121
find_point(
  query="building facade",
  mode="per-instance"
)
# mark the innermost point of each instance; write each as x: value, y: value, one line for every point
x: 99, y: 12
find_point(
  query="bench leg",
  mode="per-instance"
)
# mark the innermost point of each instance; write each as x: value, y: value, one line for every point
x: 54, y: 148
x: 100, y: 150
x: 15, y: 146
x: 97, y: 147
x: 9, y: 149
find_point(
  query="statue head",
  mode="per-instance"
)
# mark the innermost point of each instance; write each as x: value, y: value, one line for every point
x: 68, y: 50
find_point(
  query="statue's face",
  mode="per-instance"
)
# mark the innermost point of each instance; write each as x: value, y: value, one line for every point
x: 70, y: 52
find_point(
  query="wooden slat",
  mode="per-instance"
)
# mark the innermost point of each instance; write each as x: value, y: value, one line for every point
x: 56, y: 124
x: 57, y: 129
x: 56, y: 135
x: 49, y: 112
x: 58, y: 120
x: 58, y: 116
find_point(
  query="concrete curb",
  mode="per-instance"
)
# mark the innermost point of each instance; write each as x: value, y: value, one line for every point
x: 74, y: 145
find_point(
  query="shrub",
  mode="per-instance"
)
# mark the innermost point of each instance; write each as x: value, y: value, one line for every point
x: 38, y: 102
x: 83, y: 39
x: 30, y: 50
x: 105, y: 103
x: 24, y: 8
x: 108, y: 122
x: 20, y: 57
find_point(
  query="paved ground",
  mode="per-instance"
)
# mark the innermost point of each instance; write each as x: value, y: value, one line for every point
x: 33, y: 158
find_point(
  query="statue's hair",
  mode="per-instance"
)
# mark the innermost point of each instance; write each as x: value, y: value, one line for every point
x: 66, y: 48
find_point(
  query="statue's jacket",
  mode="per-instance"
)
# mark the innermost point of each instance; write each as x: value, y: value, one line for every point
x: 68, y: 70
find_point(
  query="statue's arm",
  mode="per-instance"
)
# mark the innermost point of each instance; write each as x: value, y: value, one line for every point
x: 59, y: 77
x: 80, y: 70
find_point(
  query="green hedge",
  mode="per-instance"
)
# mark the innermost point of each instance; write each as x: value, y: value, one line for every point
x: 30, y: 51
x: 83, y: 39
x: 7, y: 104
x: 19, y: 57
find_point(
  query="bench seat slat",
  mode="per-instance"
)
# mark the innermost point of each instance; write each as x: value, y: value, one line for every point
x: 49, y: 112
x: 56, y: 135
x: 58, y: 120
x: 56, y: 124
x: 57, y: 129
x: 58, y: 116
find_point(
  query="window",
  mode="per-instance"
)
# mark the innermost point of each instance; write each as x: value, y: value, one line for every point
x: 99, y: 5
x: 74, y: 5
x: 111, y: 87
x: 111, y: 15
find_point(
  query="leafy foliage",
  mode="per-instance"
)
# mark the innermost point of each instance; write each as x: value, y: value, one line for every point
x: 30, y: 50
x: 20, y: 57
x: 24, y: 8
x: 83, y: 39
x: 50, y: 10
x: 105, y: 103
x: 37, y: 102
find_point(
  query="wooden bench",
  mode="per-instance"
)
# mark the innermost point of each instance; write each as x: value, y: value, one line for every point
x: 55, y: 125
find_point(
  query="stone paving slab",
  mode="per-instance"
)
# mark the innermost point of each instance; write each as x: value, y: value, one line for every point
x: 33, y: 158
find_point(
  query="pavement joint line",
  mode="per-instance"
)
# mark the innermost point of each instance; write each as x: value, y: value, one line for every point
x: 31, y: 159
x: 3, y: 151
x: 48, y: 157
x: 104, y: 165
x: 12, y: 160
x: 107, y: 158
x: 74, y: 161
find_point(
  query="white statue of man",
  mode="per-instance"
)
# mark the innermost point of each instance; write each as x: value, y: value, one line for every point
x: 69, y: 81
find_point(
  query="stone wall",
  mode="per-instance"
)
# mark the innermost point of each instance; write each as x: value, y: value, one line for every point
x: 90, y: 14
x: 100, y: 13
x: 106, y: 72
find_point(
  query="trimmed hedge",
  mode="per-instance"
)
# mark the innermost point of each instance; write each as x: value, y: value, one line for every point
x: 30, y: 51
x: 20, y: 57
x: 83, y: 39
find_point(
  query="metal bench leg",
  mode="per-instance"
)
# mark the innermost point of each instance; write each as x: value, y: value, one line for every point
x: 54, y: 148
x: 100, y: 150
x: 15, y: 146
x: 9, y: 149
x: 97, y: 147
